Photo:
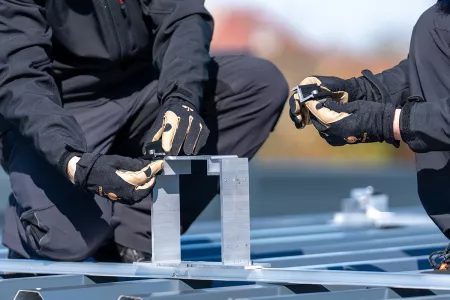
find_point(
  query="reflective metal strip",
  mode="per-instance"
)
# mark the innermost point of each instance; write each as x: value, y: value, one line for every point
x: 383, y: 265
x: 271, y: 275
x: 347, y: 257
x: 165, y: 220
x: 235, y: 211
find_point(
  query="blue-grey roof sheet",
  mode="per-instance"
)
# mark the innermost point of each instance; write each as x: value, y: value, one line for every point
x: 292, y: 242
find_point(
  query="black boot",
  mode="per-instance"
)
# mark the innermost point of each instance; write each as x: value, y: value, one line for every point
x: 108, y: 253
x: 113, y: 252
x: 14, y: 255
x: 440, y: 260
x: 129, y: 255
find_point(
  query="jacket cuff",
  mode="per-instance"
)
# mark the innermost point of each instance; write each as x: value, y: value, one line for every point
x: 67, y: 155
x: 407, y: 132
x: 175, y: 91
x: 64, y: 161
x: 382, y: 94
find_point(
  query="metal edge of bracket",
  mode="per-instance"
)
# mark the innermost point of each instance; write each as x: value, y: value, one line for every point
x: 205, y: 264
x: 235, y: 211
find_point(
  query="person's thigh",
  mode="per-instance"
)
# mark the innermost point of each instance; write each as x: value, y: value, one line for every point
x: 243, y: 101
x: 245, y: 97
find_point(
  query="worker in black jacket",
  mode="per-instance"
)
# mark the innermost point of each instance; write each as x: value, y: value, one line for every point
x: 409, y: 102
x: 83, y: 85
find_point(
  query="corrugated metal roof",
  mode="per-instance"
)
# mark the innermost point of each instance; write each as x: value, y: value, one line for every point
x: 297, y: 243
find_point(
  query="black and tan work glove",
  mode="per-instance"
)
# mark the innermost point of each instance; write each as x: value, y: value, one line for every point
x: 366, y: 87
x: 299, y: 112
x: 354, y: 122
x: 122, y: 179
x: 179, y: 125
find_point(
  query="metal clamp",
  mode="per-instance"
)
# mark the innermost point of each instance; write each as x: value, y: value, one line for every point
x: 365, y: 207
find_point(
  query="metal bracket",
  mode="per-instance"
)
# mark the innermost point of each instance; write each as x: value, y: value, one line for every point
x: 235, y: 210
x: 365, y: 207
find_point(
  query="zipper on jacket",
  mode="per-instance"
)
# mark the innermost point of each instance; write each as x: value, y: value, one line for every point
x: 123, y: 9
x: 117, y: 38
x: 131, y: 40
x: 122, y: 6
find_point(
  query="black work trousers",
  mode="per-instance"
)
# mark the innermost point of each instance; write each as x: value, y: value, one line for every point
x: 48, y: 218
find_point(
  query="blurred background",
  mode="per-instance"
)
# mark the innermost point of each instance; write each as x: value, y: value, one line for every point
x: 323, y: 37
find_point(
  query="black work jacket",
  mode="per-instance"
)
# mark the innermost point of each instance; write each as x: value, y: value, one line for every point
x: 425, y: 74
x: 56, y: 50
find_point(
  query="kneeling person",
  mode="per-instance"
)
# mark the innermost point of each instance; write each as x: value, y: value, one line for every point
x: 83, y: 86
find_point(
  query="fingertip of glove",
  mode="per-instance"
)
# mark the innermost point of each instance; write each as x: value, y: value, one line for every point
x: 153, y: 167
x: 147, y: 185
x: 158, y: 165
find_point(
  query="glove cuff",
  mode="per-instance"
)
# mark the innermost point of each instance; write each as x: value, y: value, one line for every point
x: 371, y: 89
x: 178, y: 101
x: 388, y: 126
x: 84, y: 167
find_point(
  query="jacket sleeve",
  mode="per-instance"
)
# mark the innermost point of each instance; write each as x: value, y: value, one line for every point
x: 29, y: 97
x: 425, y: 126
x: 184, y: 31
x: 389, y: 86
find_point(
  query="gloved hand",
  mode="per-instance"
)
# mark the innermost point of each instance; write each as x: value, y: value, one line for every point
x: 348, y: 89
x: 299, y: 112
x: 366, y: 87
x: 179, y: 123
x: 122, y: 179
x: 355, y: 122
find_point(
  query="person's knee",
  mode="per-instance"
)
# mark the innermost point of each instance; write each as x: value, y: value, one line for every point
x: 52, y: 219
x: 51, y: 235
x: 269, y: 81
x: 272, y: 90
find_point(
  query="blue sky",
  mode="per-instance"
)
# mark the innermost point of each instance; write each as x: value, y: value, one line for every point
x: 353, y: 25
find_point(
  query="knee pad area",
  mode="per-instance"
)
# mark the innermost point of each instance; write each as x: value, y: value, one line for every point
x: 50, y: 235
